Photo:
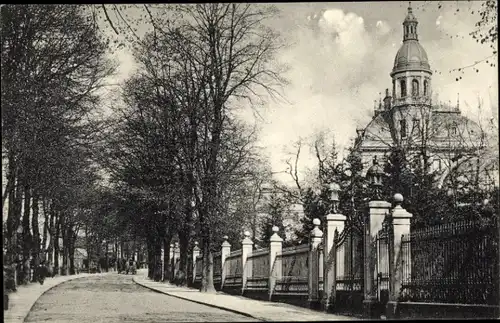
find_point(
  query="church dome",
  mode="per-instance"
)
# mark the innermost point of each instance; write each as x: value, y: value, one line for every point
x: 411, y: 56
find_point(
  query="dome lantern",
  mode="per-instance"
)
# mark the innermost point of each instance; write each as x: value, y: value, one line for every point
x: 410, y: 26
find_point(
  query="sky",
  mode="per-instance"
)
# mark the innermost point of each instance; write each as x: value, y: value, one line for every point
x: 340, y: 56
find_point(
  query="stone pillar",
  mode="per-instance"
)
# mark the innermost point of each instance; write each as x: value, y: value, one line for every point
x: 247, y: 246
x: 177, y: 251
x: 316, y: 237
x: 196, y: 253
x: 377, y: 210
x: 177, y: 255
x: 400, y: 226
x: 225, y: 251
x: 171, y: 252
x: 275, y: 247
x: 333, y: 222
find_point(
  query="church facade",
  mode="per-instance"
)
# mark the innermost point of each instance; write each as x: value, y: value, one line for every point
x: 408, y: 119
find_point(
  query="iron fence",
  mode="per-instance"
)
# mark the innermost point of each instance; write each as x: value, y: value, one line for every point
x: 217, y: 267
x: 257, y: 269
x: 349, y: 271
x: 233, y: 269
x: 452, y: 263
x: 290, y: 270
x: 350, y: 261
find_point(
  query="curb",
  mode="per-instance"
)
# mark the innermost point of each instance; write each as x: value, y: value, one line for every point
x: 23, y: 317
x: 199, y: 302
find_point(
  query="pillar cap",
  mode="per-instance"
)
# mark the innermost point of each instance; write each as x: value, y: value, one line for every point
x: 335, y: 217
x: 316, y: 232
x: 379, y: 205
x: 399, y: 213
x: 398, y: 198
x: 225, y: 243
x: 247, y: 240
x: 275, y: 237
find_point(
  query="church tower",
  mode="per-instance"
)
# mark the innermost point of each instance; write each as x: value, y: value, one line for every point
x: 411, y: 80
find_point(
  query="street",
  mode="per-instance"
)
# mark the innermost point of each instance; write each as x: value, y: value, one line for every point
x: 116, y: 298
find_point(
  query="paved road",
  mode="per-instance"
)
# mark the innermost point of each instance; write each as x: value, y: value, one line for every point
x: 116, y: 298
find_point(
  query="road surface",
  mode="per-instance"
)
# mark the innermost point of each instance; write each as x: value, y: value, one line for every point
x: 116, y: 298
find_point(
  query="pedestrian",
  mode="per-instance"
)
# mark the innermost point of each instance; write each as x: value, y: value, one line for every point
x: 42, y: 272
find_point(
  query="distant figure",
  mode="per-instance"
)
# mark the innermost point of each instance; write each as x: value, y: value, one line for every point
x: 42, y: 272
x: 131, y: 267
x: 179, y: 278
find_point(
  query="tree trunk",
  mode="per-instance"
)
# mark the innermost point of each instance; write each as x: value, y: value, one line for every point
x: 116, y: 254
x: 64, y: 231
x: 36, y: 233
x: 157, y: 256
x: 12, y: 216
x: 88, y: 244
x: 52, y: 233
x: 207, y: 281
x: 11, y: 230
x: 56, y: 244
x: 46, y: 224
x: 106, y: 256
x: 27, y: 239
x: 71, y: 250
x: 166, y: 258
x: 151, y: 264
x: 184, y: 248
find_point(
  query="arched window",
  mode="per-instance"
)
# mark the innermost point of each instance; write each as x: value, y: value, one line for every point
x: 403, y: 88
x: 414, y: 88
x: 426, y: 84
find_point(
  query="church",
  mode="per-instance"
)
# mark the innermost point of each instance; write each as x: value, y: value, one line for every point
x: 408, y: 119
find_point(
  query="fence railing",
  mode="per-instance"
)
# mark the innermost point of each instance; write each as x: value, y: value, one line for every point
x: 452, y: 263
x: 350, y: 264
x: 234, y: 269
x: 257, y: 269
x: 217, y: 267
x: 290, y: 270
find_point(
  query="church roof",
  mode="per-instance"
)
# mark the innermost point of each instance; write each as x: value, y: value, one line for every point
x: 411, y: 56
x: 377, y: 133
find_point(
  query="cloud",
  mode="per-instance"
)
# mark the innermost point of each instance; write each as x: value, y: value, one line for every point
x: 382, y: 28
x: 337, y: 68
x: 438, y: 20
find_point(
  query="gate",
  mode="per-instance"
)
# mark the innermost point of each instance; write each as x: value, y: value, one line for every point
x: 382, y: 246
x: 349, y: 270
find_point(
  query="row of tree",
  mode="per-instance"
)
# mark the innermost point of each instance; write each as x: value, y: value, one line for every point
x: 53, y: 63
x: 181, y: 161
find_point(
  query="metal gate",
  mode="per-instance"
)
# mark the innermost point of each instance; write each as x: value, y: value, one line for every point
x: 382, y: 246
x: 349, y: 271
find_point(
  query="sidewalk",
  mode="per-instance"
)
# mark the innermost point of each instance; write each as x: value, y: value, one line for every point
x: 260, y: 310
x: 21, y: 301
